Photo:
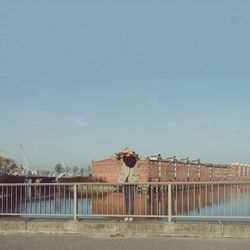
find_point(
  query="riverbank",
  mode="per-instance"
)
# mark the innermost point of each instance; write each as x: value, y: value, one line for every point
x: 48, y: 179
x: 11, y: 179
x: 210, y: 229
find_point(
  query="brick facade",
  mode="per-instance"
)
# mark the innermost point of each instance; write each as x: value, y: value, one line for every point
x: 108, y: 170
x: 165, y: 171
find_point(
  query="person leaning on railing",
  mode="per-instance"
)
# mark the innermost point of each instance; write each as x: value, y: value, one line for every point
x: 129, y: 162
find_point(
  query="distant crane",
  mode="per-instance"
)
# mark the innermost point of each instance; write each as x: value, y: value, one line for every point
x: 25, y: 162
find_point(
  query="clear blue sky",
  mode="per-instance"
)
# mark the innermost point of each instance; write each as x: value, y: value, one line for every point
x: 80, y: 80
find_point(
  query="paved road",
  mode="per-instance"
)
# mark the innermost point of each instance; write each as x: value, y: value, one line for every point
x: 115, y: 242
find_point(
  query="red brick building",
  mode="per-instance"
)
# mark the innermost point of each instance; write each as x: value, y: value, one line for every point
x: 108, y: 170
x: 165, y: 170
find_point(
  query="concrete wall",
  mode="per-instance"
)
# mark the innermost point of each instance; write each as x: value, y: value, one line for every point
x: 138, y: 227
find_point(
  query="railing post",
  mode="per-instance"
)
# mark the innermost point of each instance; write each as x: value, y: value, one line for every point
x: 169, y: 203
x: 75, y: 202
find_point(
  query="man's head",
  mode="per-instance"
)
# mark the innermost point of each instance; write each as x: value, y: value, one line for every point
x: 129, y: 156
x: 127, y: 152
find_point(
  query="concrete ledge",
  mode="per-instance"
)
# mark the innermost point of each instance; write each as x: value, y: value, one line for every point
x: 12, y: 225
x: 199, y: 228
x: 236, y: 229
x: 117, y: 226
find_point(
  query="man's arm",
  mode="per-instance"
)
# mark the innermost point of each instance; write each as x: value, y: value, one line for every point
x: 141, y: 161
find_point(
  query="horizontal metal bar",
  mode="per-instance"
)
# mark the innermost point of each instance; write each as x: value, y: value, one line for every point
x: 125, y: 183
x: 212, y: 216
x: 125, y: 215
x: 37, y: 215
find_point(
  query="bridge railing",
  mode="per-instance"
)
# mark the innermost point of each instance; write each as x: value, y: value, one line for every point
x: 200, y: 200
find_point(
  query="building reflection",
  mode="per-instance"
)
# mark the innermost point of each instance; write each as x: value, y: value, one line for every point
x: 191, y: 200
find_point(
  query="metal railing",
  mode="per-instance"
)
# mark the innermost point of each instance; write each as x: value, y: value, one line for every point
x: 150, y: 200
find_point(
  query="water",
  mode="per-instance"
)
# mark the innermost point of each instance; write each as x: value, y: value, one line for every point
x: 56, y: 206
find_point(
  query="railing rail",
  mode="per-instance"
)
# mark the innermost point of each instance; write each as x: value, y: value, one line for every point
x: 170, y: 200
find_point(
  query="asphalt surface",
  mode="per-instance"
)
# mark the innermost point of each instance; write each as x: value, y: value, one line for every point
x: 115, y: 242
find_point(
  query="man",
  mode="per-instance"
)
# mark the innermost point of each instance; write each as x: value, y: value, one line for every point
x: 129, y: 163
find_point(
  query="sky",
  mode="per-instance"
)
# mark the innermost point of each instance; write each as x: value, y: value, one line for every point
x: 81, y: 80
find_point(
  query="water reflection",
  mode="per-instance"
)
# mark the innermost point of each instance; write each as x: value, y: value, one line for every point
x: 197, y: 200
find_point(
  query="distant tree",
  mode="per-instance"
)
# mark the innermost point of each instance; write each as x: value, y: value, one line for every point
x: 83, y: 171
x: 67, y: 170
x: 8, y: 166
x: 75, y: 170
x: 88, y: 170
x: 59, y: 168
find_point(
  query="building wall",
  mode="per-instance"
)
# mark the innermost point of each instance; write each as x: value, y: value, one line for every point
x: 108, y: 170
x: 153, y: 171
